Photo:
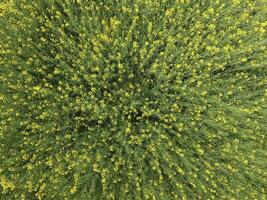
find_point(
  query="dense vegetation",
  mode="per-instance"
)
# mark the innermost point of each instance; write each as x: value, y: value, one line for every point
x: 122, y: 99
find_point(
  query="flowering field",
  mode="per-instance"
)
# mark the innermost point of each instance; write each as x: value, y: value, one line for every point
x: 123, y: 99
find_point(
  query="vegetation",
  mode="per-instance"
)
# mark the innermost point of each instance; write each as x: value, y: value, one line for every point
x: 122, y: 99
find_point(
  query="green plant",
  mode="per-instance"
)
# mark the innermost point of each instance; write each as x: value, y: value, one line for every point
x: 145, y: 99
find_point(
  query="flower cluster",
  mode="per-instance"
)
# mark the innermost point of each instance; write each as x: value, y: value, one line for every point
x: 122, y: 99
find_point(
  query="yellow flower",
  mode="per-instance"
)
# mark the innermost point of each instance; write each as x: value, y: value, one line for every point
x: 6, y: 184
x: 73, y: 190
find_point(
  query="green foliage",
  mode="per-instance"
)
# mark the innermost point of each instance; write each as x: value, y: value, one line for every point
x: 122, y: 99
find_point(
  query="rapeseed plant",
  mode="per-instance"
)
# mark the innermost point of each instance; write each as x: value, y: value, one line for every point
x: 122, y: 99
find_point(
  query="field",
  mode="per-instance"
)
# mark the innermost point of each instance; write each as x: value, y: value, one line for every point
x: 123, y: 99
